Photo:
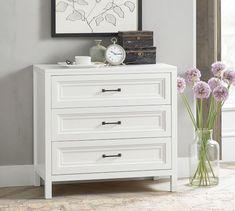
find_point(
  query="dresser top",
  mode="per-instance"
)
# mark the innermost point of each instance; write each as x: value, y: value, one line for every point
x: 150, y: 68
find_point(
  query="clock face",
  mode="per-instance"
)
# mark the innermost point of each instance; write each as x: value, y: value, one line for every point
x: 115, y: 54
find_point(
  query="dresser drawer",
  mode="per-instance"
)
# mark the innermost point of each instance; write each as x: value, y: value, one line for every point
x: 111, y: 156
x: 111, y: 123
x: 110, y: 90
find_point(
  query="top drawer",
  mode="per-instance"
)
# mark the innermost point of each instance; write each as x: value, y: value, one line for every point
x: 111, y: 90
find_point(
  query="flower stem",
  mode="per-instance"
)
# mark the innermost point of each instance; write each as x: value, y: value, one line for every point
x: 212, y: 103
x: 201, y: 113
x: 185, y: 101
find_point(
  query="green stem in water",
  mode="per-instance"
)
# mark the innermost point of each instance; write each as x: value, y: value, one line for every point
x: 204, y: 168
x: 210, y: 166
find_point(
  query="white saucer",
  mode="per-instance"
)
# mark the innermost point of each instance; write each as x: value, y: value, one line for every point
x: 92, y: 65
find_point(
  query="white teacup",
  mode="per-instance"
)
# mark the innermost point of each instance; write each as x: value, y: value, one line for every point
x: 82, y: 60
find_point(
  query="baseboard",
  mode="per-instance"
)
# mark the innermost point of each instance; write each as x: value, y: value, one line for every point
x: 183, y: 167
x: 22, y: 175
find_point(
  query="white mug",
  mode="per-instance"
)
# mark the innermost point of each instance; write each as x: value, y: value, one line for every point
x: 82, y: 60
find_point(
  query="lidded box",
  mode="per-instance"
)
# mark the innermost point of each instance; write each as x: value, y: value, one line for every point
x: 141, y: 56
x: 135, y: 39
x: 138, y: 46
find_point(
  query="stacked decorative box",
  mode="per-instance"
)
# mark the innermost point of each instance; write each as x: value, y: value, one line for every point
x: 138, y: 46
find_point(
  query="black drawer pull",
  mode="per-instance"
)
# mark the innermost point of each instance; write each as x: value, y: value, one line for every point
x: 112, y: 90
x: 112, y: 156
x: 112, y: 123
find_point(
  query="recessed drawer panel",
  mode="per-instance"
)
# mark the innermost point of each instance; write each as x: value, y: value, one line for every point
x: 111, y: 156
x: 110, y: 90
x: 111, y: 123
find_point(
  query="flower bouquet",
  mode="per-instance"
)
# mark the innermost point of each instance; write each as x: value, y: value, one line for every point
x: 205, y: 151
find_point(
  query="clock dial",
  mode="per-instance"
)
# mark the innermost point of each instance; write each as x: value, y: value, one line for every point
x: 115, y: 54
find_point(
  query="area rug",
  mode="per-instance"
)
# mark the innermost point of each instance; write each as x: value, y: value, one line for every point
x: 146, y: 195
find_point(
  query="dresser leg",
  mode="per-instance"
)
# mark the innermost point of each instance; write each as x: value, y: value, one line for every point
x: 48, y: 189
x: 173, y: 183
x: 37, y: 179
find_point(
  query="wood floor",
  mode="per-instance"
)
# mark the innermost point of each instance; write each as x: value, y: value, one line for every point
x: 125, y: 196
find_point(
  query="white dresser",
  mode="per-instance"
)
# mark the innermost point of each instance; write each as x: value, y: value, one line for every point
x: 104, y: 123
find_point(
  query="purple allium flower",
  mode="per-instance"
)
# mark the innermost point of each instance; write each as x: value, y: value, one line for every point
x: 229, y: 76
x: 201, y: 90
x: 214, y: 82
x: 181, y: 84
x: 217, y: 68
x: 220, y: 93
x: 192, y: 75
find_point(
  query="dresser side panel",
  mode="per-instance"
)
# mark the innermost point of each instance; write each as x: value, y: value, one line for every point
x: 39, y: 123
x: 174, y: 132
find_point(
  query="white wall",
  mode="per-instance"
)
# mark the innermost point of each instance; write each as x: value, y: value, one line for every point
x: 174, y: 23
x: 25, y: 40
x: 228, y: 51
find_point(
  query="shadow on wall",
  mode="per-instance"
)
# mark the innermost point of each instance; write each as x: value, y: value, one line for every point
x: 16, y: 127
x: 45, y: 19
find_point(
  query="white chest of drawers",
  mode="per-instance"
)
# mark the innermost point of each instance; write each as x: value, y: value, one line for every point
x: 104, y: 123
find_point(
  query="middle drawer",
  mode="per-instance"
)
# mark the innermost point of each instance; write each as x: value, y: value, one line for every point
x: 111, y: 123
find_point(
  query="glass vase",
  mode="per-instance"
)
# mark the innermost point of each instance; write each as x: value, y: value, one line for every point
x: 204, y: 159
x: 97, y: 52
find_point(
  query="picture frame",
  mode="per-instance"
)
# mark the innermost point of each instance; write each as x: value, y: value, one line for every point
x: 94, y: 18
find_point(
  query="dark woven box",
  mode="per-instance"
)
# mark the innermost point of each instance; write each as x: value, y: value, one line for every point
x: 141, y: 56
x: 135, y: 39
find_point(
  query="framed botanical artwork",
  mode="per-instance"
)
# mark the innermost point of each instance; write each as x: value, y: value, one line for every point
x: 80, y: 18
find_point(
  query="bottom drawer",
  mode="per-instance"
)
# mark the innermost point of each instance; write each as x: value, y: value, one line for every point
x: 77, y: 157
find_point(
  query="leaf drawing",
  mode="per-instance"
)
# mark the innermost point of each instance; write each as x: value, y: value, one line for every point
x: 82, y: 2
x: 118, y: 10
x: 99, y: 20
x: 130, y: 5
x: 82, y: 13
x: 61, y: 6
x: 108, y: 6
x: 111, y: 19
x: 76, y: 15
x: 94, y: 12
